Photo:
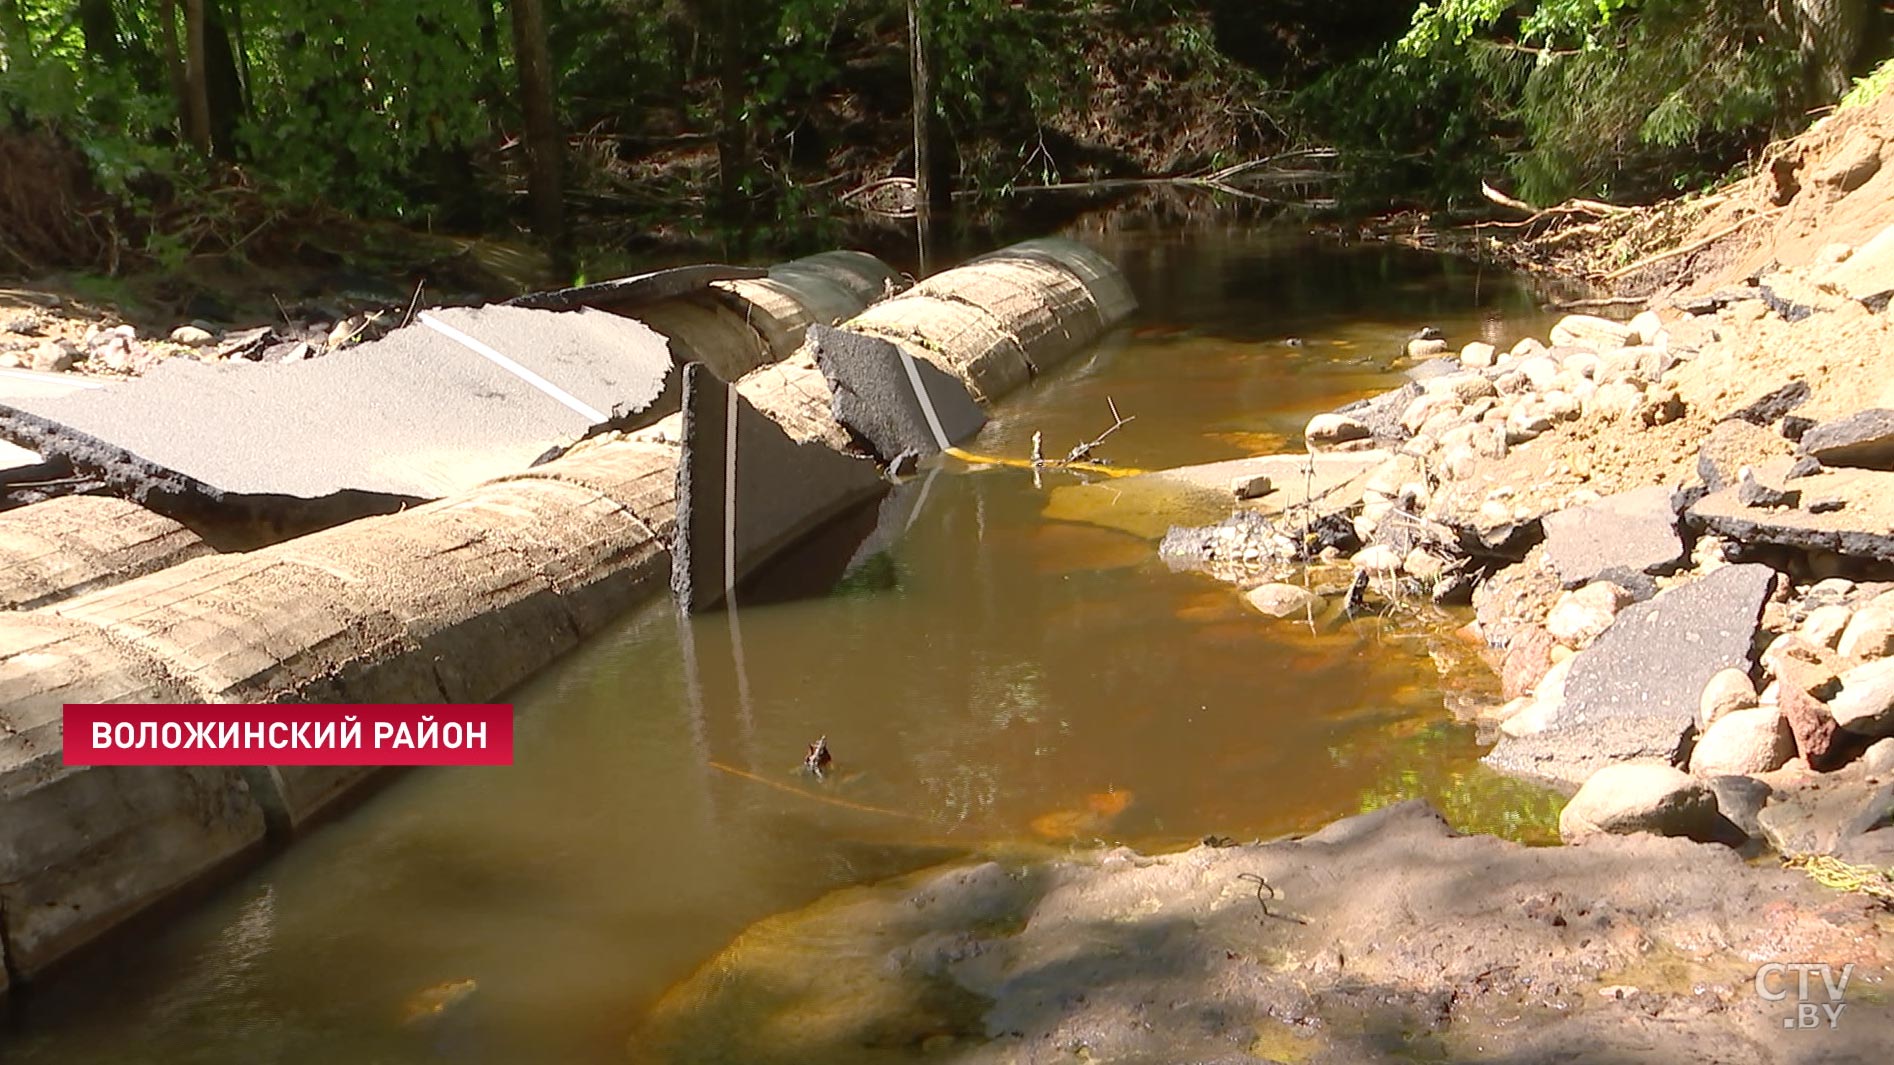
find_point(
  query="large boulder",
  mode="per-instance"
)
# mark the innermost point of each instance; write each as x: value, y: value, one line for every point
x: 1818, y: 739
x: 1729, y: 690
x: 1742, y: 743
x: 1869, y: 634
x: 1640, y: 797
x: 1865, y: 704
x: 1334, y: 430
x: 1283, y: 600
x: 1591, y: 331
x: 1581, y: 616
x: 1824, y: 815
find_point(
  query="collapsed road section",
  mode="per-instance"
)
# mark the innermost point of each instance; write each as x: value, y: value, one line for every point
x: 458, y: 396
x: 455, y: 600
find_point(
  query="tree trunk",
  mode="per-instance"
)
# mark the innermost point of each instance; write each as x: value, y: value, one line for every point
x: 732, y: 136
x: 545, y: 146
x: 492, y: 64
x: 1829, y: 38
x: 195, y: 106
x: 923, y: 138
x: 100, y: 26
x: 223, y: 91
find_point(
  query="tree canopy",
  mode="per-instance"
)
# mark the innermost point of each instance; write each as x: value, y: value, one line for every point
x: 656, y: 113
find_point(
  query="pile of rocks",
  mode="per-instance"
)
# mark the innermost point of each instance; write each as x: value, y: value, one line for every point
x: 52, y: 343
x: 1627, y: 625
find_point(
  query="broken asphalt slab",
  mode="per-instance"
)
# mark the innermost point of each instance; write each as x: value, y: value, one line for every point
x: 897, y: 403
x: 623, y: 293
x: 1634, y: 693
x: 429, y: 410
x: 1864, y: 439
x: 1863, y: 526
x: 1634, y: 532
x: 746, y: 490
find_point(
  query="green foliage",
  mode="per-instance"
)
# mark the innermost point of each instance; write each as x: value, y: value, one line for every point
x: 1868, y: 89
x: 1409, y: 124
x: 346, y: 98
x: 1619, y: 97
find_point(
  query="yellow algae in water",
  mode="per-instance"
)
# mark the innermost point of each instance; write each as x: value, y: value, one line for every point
x: 430, y: 1002
x: 1066, y: 548
x: 1254, y: 442
x: 1143, y: 506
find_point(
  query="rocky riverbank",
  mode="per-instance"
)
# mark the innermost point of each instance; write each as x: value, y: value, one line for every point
x: 1675, y: 535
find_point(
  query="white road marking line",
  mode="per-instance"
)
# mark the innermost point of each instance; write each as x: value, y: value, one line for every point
x: 472, y: 344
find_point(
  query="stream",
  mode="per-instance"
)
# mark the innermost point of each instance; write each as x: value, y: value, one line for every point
x: 988, y: 676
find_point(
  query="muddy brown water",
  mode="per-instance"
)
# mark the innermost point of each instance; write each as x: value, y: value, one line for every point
x: 986, y: 677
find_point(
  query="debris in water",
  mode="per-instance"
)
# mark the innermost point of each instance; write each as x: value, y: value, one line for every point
x: 818, y: 759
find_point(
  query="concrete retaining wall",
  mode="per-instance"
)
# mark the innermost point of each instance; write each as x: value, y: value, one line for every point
x: 457, y: 600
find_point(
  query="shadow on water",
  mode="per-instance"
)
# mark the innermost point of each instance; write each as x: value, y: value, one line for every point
x: 983, y: 674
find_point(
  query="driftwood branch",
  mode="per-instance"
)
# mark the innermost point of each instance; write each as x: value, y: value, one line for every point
x: 1083, y: 451
x: 1080, y: 453
x: 1228, y: 180
x: 1695, y: 245
x: 1601, y: 301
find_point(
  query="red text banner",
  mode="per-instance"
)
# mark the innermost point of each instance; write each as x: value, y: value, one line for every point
x: 288, y: 734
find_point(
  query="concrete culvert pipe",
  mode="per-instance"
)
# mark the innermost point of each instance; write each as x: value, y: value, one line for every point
x: 1005, y: 317
x: 459, y: 600
x: 734, y: 326
x: 59, y: 548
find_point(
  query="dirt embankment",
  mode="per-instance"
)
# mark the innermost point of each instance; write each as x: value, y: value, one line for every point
x: 1832, y: 185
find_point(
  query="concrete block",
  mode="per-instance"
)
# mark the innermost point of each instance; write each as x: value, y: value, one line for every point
x: 746, y: 490
x: 875, y: 395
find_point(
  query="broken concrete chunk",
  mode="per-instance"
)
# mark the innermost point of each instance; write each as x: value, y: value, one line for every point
x: 784, y: 490
x: 1864, y: 529
x: 1864, y: 439
x: 894, y: 401
x: 1635, y: 692
x: 1251, y: 486
x: 1733, y: 444
x: 1769, y: 408
x: 1753, y: 493
x: 1635, y: 530
x: 462, y: 396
